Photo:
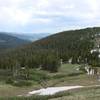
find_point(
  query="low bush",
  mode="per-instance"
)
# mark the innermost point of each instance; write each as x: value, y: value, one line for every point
x: 9, y: 81
x: 75, y: 74
x: 22, y: 83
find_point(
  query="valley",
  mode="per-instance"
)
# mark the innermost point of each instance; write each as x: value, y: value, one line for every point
x: 49, y: 50
x: 8, y: 41
x: 65, y: 59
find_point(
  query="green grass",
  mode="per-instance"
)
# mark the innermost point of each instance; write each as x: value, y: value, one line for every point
x: 9, y: 90
x: 88, y: 93
x: 67, y: 75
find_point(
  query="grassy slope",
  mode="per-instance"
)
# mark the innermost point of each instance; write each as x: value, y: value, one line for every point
x: 66, y: 76
x: 77, y: 94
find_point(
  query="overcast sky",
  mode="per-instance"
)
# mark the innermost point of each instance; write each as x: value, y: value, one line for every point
x: 41, y: 16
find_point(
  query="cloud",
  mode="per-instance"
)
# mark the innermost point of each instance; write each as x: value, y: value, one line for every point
x: 49, y: 15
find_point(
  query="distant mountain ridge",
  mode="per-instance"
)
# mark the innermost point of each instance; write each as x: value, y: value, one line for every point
x: 30, y: 36
x: 9, y: 41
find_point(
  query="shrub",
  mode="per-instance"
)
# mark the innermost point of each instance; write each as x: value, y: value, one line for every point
x: 9, y: 81
x: 75, y: 74
x: 22, y: 83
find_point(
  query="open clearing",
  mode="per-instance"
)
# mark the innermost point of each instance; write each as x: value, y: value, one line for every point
x: 67, y: 76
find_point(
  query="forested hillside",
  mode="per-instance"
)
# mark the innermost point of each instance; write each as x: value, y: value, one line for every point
x: 47, y: 53
x: 68, y: 44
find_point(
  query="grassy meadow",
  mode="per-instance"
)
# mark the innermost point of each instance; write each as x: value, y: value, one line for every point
x: 66, y: 76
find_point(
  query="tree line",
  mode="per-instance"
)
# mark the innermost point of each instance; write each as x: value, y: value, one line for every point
x: 47, y: 52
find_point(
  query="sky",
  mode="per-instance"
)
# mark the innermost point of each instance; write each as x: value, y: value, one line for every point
x: 48, y: 16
